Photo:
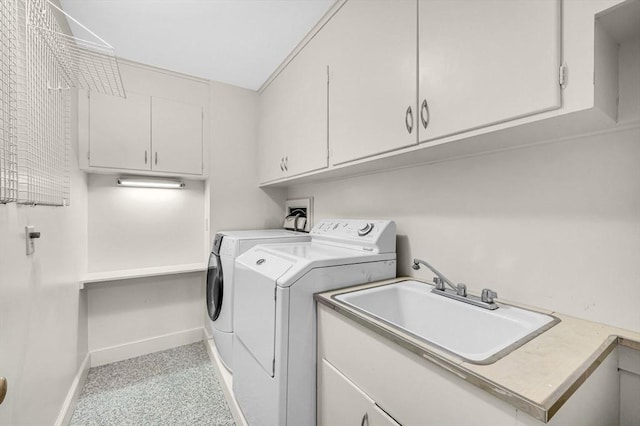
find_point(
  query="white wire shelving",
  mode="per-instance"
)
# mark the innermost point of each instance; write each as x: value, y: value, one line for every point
x: 90, y: 65
x: 8, y: 107
x: 40, y: 64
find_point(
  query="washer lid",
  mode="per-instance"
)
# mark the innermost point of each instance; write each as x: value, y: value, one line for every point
x: 302, y: 257
x: 271, y: 267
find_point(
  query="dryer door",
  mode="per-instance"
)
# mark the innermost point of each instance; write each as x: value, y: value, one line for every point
x: 255, y: 304
x: 215, y: 283
x: 214, y: 287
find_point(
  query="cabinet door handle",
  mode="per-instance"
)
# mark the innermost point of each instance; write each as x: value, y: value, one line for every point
x: 282, y: 163
x: 156, y: 160
x: 424, y: 114
x: 408, y: 119
x: 145, y: 156
x: 286, y: 164
x: 365, y: 420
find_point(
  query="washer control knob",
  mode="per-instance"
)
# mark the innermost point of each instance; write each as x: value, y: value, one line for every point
x: 365, y: 229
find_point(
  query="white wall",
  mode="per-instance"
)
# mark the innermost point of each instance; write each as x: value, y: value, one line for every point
x: 130, y: 318
x: 555, y: 226
x: 236, y: 200
x: 142, y: 227
x: 131, y: 228
x: 43, y: 336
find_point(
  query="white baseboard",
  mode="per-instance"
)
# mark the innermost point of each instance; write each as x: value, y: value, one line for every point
x: 146, y: 346
x: 226, y: 380
x: 70, y: 402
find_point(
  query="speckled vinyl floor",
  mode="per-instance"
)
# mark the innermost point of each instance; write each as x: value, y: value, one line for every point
x: 174, y: 387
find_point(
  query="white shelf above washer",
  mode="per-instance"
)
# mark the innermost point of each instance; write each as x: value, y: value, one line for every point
x: 127, y: 274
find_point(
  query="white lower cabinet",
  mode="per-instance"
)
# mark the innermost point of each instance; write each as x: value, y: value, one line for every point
x: 361, y: 372
x: 411, y: 390
x: 341, y: 402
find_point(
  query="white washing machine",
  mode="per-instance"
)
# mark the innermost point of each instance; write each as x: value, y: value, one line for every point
x: 226, y: 247
x: 274, y: 351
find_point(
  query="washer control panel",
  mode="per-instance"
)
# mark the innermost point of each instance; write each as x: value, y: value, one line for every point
x: 368, y: 235
x: 366, y: 229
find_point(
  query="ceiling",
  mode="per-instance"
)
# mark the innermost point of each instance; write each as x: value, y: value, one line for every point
x: 239, y: 42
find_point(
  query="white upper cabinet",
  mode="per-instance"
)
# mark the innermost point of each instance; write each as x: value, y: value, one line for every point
x: 485, y: 62
x: 293, y: 116
x: 145, y: 133
x: 176, y: 130
x: 160, y: 128
x: 373, y: 66
x: 119, y: 131
x: 419, y: 81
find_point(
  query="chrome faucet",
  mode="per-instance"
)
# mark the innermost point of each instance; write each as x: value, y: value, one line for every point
x: 457, y: 292
x: 439, y: 280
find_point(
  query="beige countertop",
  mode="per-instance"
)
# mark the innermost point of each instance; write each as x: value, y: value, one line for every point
x: 537, y: 377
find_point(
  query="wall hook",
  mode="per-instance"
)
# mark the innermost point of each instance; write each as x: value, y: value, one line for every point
x: 30, y: 235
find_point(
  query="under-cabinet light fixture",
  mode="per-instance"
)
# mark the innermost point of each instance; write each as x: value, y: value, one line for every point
x: 150, y: 182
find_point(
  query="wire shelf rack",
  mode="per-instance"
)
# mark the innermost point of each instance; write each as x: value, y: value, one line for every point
x: 90, y: 65
x: 39, y: 64
x: 8, y: 106
x: 43, y: 114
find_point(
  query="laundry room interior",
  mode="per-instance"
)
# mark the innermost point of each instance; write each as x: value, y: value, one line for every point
x: 253, y: 220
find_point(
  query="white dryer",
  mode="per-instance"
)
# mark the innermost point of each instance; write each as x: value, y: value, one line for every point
x: 226, y: 247
x: 274, y: 349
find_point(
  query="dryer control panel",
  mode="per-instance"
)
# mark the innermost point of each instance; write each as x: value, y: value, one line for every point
x: 376, y: 236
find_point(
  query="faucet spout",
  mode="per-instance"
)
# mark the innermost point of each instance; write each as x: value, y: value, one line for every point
x: 457, y: 292
x: 440, y: 278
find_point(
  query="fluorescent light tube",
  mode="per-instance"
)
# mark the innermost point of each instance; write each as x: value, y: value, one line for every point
x: 150, y: 182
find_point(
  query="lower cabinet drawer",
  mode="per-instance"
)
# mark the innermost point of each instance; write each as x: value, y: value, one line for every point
x: 341, y: 402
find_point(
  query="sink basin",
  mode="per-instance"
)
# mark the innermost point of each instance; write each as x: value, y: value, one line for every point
x: 475, y: 334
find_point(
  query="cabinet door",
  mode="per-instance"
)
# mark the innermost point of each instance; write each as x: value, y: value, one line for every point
x: 176, y: 130
x: 484, y: 62
x: 341, y: 402
x: 373, y: 69
x: 272, y: 129
x: 120, y: 131
x: 293, y: 116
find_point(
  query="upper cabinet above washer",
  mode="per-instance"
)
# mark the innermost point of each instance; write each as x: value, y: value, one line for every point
x: 292, y: 136
x: 372, y: 86
x: 160, y: 128
x: 485, y: 62
x: 420, y: 81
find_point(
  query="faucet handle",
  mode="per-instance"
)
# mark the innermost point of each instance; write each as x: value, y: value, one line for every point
x: 461, y: 290
x: 488, y: 295
x: 439, y: 283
